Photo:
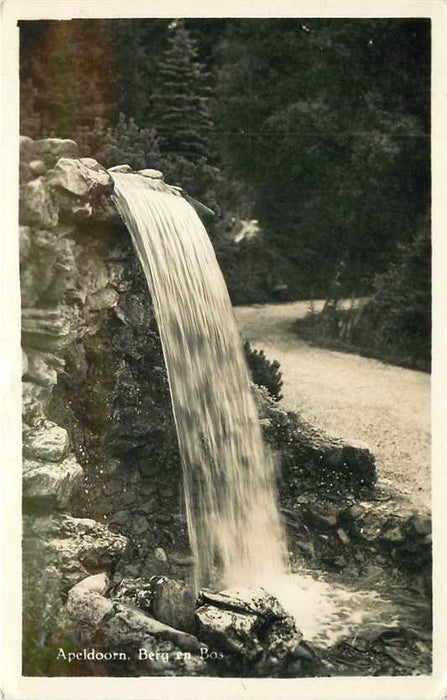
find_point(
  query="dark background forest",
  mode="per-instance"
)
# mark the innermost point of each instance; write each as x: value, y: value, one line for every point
x: 319, y: 129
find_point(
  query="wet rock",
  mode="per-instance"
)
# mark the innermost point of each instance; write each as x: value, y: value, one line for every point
x: 37, y: 206
x: 248, y: 600
x: 124, y: 168
x: 47, y: 442
x: 50, y: 150
x: 160, y: 554
x: 151, y: 173
x: 75, y: 178
x: 174, y: 604
x: 229, y: 630
x: 251, y: 625
x: 52, y: 485
x: 92, y: 164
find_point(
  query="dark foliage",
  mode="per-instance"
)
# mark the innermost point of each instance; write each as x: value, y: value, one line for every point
x: 263, y: 371
x: 318, y: 128
x: 395, y: 325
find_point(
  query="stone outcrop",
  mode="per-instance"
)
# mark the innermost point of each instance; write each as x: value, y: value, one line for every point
x: 255, y: 632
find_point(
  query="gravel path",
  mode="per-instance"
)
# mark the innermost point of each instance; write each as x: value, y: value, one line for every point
x: 352, y: 397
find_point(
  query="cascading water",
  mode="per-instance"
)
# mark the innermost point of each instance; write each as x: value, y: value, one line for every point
x: 234, y: 525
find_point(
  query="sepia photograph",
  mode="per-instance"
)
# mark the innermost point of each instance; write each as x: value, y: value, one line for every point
x: 225, y: 266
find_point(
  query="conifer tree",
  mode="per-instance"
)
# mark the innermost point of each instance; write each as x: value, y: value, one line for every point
x: 180, y: 104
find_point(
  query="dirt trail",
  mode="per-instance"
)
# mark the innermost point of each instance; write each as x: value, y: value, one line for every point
x: 356, y: 398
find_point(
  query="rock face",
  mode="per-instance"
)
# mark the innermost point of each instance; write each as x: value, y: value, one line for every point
x: 96, y: 405
x: 52, y: 485
x: 253, y: 629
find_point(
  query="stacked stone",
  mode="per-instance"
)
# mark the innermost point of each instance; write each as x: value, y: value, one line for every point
x: 61, y: 301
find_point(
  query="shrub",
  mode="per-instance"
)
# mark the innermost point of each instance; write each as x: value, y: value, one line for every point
x: 264, y: 373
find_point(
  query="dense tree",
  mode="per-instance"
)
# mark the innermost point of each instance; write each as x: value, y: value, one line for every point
x: 180, y: 110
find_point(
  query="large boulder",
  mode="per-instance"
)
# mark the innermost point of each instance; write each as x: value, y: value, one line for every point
x: 76, y: 177
x: 47, y: 442
x: 50, y: 484
x: 252, y: 628
x: 174, y: 604
x: 75, y: 546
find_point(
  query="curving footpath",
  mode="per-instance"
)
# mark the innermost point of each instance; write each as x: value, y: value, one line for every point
x: 359, y: 399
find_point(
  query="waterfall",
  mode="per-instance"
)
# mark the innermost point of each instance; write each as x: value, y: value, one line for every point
x: 234, y: 526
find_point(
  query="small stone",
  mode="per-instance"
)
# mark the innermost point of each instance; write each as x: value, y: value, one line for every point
x: 124, y: 168
x: 140, y: 525
x: 38, y: 167
x: 120, y: 517
x: 163, y: 518
x: 129, y: 498
x: 344, y: 537
x: 160, y: 554
x: 112, y: 487
x: 148, y: 489
x: 392, y: 532
x: 150, y: 172
x: 419, y: 524
x: 352, y: 513
x: 104, y: 299
x: 151, y: 506
x: 98, y: 583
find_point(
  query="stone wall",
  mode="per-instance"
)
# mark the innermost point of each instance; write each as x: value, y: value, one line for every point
x: 98, y: 436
